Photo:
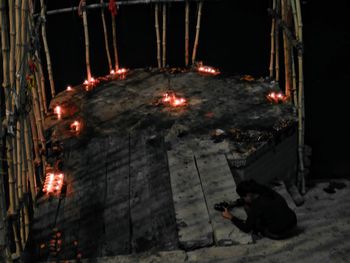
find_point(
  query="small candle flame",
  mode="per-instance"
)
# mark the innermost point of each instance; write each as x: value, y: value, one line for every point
x: 58, y: 112
x: 208, y: 70
x: 173, y: 100
x: 75, y: 126
x: 276, y: 97
x: 112, y: 72
x: 69, y: 88
x: 53, y: 183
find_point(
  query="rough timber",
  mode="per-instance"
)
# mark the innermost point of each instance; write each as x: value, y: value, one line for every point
x: 125, y: 191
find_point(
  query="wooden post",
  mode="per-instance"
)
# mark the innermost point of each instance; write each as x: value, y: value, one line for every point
x: 106, y: 37
x: 115, y: 48
x: 46, y: 47
x: 86, y: 34
x: 156, y: 18
x: 195, y: 46
x: 164, y: 36
x: 187, y: 32
x: 301, y: 112
x: 286, y: 44
x: 272, y: 34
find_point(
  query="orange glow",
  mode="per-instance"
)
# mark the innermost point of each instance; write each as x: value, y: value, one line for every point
x: 75, y: 126
x: 122, y: 71
x: 58, y: 112
x: 90, y: 83
x: 173, y: 100
x: 112, y: 72
x: 208, y: 70
x: 276, y: 97
x: 69, y: 88
x: 53, y: 183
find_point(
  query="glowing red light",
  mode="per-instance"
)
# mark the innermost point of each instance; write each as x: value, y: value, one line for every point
x: 75, y: 126
x: 112, y: 72
x: 69, y: 88
x: 173, y: 100
x: 58, y: 112
x: 208, y: 70
x: 276, y: 97
x: 122, y: 71
x: 53, y: 183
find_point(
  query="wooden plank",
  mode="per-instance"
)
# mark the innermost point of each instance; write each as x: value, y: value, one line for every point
x: 91, y: 224
x: 117, y: 207
x: 218, y: 185
x: 162, y: 208
x: 140, y: 197
x: 194, y: 228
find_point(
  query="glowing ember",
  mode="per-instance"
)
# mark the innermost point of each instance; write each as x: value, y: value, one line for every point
x: 58, y: 112
x: 112, y: 72
x: 53, y: 183
x: 90, y: 83
x: 69, y: 88
x: 276, y: 97
x: 173, y: 100
x: 208, y: 70
x: 122, y: 71
x: 75, y: 126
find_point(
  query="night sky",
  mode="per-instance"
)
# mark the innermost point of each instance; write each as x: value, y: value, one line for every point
x: 235, y: 36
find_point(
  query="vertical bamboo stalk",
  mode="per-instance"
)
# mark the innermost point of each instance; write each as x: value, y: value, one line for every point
x: 164, y: 36
x: 114, y: 33
x: 5, y: 48
x: 12, y: 42
x: 301, y: 112
x: 106, y: 37
x: 195, y: 46
x: 19, y: 50
x: 30, y: 166
x: 294, y: 77
x: 41, y: 84
x: 17, y: 239
x: 187, y: 32
x: 156, y: 18
x: 21, y: 227
x: 277, y: 44
x: 272, y: 34
x: 87, y: 45
x: 40, y: 99
x: 34, y: 132
x: 286, y: 44
x: 46, y: 47
x: 26, y: 222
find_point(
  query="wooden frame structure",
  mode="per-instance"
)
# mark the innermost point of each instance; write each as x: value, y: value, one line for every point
x: 22, y: 126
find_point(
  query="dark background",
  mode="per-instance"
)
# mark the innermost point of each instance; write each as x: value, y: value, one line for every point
x: 235, y: 36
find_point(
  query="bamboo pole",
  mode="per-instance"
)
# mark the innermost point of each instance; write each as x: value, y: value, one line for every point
x: 277, y: 45
x: 294, y: 83
x: 272, y: 34
x: 12, y: 42
x: 17, y: 239
x: 5, y: 48
x: 41, y: 85
x: 30, y: 165
x: 87, y: 46
x: 285, y: 8
x: 195, y: 46
x: 114, y: 33
x: 156, y: 18
x: 21, y: 227
x: 301, y: 112
x: 187, y: 32
x: 40, y: 98
x: 46, y: 47
x: 19, y: 50
x: 106, y: 38
x: 164, y: 36
x: 34, y: 133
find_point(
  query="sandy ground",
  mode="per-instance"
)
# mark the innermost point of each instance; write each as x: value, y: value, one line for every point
x: 324, y: 236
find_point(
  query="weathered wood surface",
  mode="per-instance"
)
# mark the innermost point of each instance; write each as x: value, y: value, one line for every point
x: 117, y: 224
x: 218, y: 185
x: 192, y: 217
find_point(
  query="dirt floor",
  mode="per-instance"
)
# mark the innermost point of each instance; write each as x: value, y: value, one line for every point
x: 324, y: 236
